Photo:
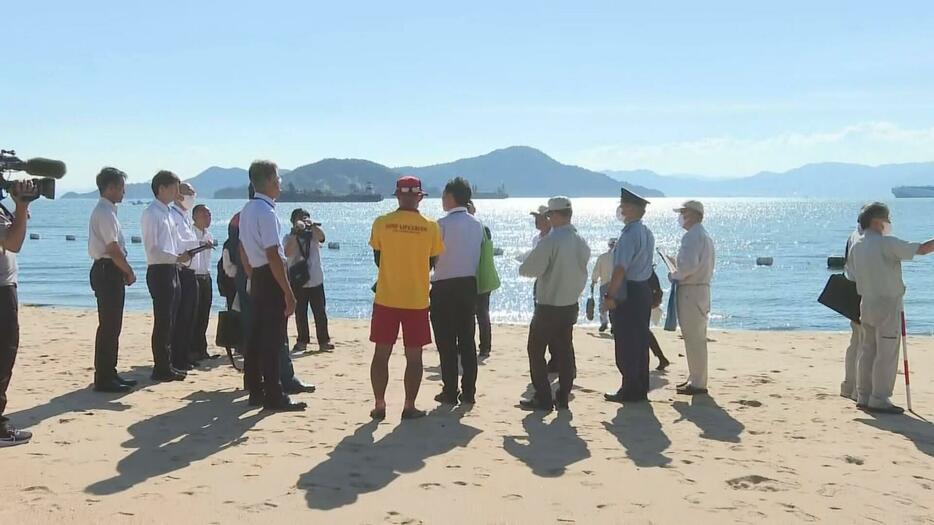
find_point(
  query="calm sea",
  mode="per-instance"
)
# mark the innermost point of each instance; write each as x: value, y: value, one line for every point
x: 798, y: 234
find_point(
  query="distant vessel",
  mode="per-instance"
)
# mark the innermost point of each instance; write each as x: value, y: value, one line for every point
x: 293, y: 195
x: 913, y: 192
x: 500, y: 193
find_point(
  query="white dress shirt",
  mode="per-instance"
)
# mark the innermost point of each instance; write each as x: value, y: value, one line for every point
x: 315, y: 272
x: 462, y: 234
x: 603, y: 269
x: 104, y: 229
x: 695, y: 258
x: 260, y: 228
x: 201, y: 262
x: 160, y: 236
x: 186, y: 232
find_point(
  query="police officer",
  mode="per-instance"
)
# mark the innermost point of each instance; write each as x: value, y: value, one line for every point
x: 630, y: 299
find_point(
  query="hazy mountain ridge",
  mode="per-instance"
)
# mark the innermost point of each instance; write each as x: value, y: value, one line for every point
x: 822, y: 180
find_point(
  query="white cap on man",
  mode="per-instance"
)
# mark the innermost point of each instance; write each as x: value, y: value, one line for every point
x: 541, y: 210
x: 695, y: 206
x: 559, y: 203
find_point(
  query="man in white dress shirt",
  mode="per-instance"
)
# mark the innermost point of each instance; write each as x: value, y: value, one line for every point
x: 603, y: 273
x: 695, y: 269
x: 453, y: 294
x: 877, y: 266
x: 187, y: 284
x: 163, y: 255
x: 273, y: 300
x: 201, y: 263
x: 110, y: 274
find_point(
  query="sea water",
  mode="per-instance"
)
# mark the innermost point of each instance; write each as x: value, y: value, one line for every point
x: 798, y: 234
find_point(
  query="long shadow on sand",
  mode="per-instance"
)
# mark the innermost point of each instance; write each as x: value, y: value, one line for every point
x: 713, y: 421
x: 359, y: 464
x: 550, y: 447
x: 921, y: 433
x: 209, y: 423
x: 640, y: 433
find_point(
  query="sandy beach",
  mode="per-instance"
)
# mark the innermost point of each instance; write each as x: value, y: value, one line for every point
x: 773, y: 443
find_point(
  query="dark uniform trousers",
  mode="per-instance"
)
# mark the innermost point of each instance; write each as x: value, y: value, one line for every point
x: 199, y: 341
x: 453, y: 310
x: 631, y: 319
x: 9, y: 341
x: 268, y: 336
x: 313, y: 297
x: 185, y: 319
x: 107, y: 281
x: 162, y: 281
x: 552, y: 327
x: 483, y: 322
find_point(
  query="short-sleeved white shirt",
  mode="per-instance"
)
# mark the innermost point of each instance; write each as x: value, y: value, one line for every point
x: 315, y: 271
x: 104, y: 229
x: 160, y: 236
x: 260, y: 228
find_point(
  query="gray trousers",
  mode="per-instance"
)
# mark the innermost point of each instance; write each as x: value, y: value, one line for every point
x: 848, y: 386
x: 693, y: 312
x: 878, y: 359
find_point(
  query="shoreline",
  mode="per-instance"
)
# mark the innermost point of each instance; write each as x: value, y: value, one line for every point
x: 773, y: 442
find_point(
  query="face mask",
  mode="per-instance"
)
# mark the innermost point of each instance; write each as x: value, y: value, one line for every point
x: 188, y: 201
x: 619, y: 214
x: 887, y: 228
x: 681, y: 221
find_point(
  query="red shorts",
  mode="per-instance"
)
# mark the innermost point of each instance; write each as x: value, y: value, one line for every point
x: 384, y: 326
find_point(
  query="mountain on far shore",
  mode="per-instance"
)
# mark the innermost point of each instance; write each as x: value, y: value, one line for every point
x: 819, y: 180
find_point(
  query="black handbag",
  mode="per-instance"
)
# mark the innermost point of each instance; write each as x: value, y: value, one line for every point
x: 298, y: 272
x: 840, y: 294
x: 591, y: 306
x: 229, y: 329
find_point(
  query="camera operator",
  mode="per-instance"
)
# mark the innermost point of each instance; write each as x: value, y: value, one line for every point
x: 303, y: 247
x: 12, y: 235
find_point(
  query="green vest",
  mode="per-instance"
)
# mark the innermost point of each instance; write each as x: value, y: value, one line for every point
x: 487, y: 278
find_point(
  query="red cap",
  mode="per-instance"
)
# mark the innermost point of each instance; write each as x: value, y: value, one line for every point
x: 409, y: 184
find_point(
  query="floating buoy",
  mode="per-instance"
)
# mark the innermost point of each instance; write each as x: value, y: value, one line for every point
x: 764, y: 261
x: 136, y: 239
x: 497, y: 251
x: 69, y: 237
x: 34, y: 236
x: 334, y: 246
x: 836, y: 263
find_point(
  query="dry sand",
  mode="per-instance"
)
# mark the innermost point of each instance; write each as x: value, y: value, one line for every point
x: 773, y: 443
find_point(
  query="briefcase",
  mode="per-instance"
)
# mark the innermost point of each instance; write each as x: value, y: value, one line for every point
x: 590, y: 308
x: 840, y: 295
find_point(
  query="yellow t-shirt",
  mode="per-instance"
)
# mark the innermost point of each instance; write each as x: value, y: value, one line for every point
x: 405, y: 240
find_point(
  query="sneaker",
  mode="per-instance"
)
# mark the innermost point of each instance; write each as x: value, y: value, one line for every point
x: 10, y: 437
x: 602, y: 328
x: 299, y: 347
x: 325, y: 347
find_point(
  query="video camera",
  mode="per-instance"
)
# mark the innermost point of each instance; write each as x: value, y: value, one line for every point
x: 47, y: 169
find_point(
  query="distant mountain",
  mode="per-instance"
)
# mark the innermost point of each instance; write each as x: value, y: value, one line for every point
x: 338, y: 176
x: 206, y: 184
x: 525, y: 172
x: 822, y: 180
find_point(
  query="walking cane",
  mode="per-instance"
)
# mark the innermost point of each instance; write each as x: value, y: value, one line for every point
x: 905, y: 355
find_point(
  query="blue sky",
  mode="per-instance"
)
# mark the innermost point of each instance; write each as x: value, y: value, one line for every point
x: 717, y: 88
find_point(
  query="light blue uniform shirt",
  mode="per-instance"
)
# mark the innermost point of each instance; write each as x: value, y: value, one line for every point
x: 635, y: 251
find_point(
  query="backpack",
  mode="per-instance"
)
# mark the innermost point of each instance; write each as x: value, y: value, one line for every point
x: 225, y: 284
x: 656, y: 287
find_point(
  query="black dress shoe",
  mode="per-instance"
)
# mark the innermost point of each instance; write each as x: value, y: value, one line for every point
x: 127, y: 382
x: 533, y: 404
x: 484, y: 352
x: 297, y: 387
x: 447, y: 398
x: 619, y: 397
x: 286, y: 405
x: 182, y: 373
x: 467, y: 399
x: 112, y: 387
x: 256, y: 399
x: 691, y: 390
x: 602, y: 328
x: 166, y: 375
x: 663, y: 364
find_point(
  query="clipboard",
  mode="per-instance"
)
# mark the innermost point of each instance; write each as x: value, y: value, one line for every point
x: 669, y: 261
x: 195, y: 251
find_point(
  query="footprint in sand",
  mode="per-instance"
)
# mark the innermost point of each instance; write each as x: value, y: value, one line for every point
x: 428, y: 486
x: 748, y: 403
x: 755, y: 482
x: 513, y: 497
x: 853, y: 460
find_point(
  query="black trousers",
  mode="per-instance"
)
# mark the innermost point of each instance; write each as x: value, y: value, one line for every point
x: 313, y: 297
x: 9, y: 341
x: 483, y: 322
x: 552, y: 327
x: 453, y: 310
x: 107, y: 281
x: 199, y: 339
x: 162, y: 281
x: 267, y: 336
x: 185, y: 320
x: 631, y: 318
